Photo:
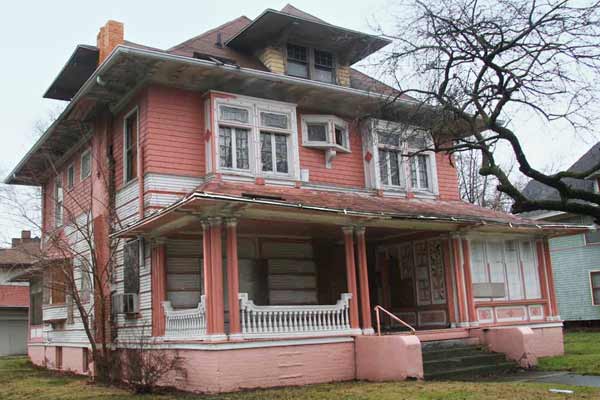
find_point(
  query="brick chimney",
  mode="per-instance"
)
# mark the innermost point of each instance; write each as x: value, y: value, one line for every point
x: 110, y: 36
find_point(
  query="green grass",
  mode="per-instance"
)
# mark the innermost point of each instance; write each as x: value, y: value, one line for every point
x: 582, y: 354
x: 19, y: 380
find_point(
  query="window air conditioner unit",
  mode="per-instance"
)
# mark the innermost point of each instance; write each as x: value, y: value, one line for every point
x: 125, y: 303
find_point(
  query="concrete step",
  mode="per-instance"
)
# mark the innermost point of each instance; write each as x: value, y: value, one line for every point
x: 472, y: 372
x: 464, y: 361
x: 449, y: 344
x: 442, y: 354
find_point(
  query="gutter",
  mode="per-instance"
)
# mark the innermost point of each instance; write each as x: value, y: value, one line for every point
x: 162, y: 56
x: 338, y: 211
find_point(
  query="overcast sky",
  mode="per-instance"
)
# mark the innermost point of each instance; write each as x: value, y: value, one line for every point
x: 36, y: 39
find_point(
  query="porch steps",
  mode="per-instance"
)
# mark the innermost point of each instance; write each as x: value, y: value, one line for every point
x: 461, y: 359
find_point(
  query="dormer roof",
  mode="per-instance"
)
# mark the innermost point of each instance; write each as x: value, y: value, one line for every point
x: 291, y: 24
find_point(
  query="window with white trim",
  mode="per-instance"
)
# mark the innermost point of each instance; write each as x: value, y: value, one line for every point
x: 325, y: 132
x: 401, y: 161
x: 86, y: 164
x: 70, y: 176
x: 58, y: 201
x: 595, y: 286
x: 256, y: 138
x: 130, y: 145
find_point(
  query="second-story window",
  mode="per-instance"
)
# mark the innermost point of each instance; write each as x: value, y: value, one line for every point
x: 274, y: 142
x: 70, y: 177
x: 419, y: 172
x: 58, y: 201
x: 130, y: 146
x: 86, y: 164
x: 390, y: 160
x: 233, y: 147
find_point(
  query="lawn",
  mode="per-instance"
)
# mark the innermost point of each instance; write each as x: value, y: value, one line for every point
x: 19, y: 381
x: 582, y: 354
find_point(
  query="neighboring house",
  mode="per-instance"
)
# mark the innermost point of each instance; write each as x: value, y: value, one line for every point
x: 262, y: 214
x: 14, y: 296
x: 575, y: 258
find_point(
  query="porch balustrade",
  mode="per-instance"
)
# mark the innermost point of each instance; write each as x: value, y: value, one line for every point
x: 309, y: 320
x: 185, y: 324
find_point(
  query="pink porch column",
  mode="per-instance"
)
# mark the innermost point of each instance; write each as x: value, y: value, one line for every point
x: 461, y: 294
x: 466, y: 252
x: 351, y: 275
x: 365, y: 300
x: 539, y: 246
x: 233, y: 285
x: 159, y: 288
x: 207, y: 276
x: 216, y: 258
x: 550, y: 277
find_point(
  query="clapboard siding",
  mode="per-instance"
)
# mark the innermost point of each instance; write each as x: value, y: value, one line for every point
x: 572, y: 261
x: 184, y: 272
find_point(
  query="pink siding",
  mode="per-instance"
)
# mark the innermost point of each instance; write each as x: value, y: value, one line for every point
x: 347, y: 168
x: 447, y: 177
x: 175, y: 138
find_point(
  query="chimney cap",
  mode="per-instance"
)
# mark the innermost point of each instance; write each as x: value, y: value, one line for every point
x: 26, y: 234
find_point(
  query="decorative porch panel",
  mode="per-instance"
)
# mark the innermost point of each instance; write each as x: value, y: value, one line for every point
x: 309, y: 320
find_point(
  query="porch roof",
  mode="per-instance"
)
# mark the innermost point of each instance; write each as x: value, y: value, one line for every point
x: 249, y: 200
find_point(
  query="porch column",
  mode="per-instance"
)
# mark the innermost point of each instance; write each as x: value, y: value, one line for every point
x: 550, y: 276
x: 233, y: 285
x: 365, y: 300
x: 216, y: 258
x: 351, y: 275
x: 457, y: 271
x: 466, y: 252
x: 207, y: 277
x: 159, y: 287
x: 544, y: 287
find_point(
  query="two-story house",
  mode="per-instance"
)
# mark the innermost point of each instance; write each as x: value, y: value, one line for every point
x: 262, y: 212
x: 575, y: 258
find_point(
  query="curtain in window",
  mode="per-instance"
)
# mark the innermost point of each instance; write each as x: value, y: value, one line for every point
x: 225, y: 147
x: 281, y: 157
x: 265, y: 152
x: 241, y: 149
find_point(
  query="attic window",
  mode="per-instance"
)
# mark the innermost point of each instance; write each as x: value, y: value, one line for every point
x: 323, y: 66
x: 297, y: 61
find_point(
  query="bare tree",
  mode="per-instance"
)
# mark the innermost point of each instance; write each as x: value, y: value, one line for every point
x: 474, y: 63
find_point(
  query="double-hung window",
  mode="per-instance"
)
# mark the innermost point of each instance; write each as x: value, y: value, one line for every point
x: 391, y: 162
x: 256, y: 137
x: 234, y: 137
x: 131, y: 145
x: 275, y: 142
x: 86, y: 164
x: 323, y: 66
x: 297, y: 61
x: 419, y: 172
x: 70, y: 176
x: 58, y: 201
x: 595, y: 286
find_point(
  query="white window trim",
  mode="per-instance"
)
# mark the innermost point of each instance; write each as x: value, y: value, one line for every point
x: 330, y: 121
x: 137, y: 142
x: 69, y: 184
x: 85, y: 153
x: 57, y: 222
x: 377, y: 183
x: 255, y: 106
x: 591, y: 287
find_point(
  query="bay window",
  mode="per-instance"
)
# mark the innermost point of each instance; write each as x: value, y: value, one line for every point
x: 325, y: 131
x: 256, y: 137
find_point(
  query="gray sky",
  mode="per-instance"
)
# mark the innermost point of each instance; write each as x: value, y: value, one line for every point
x: 36, y: 39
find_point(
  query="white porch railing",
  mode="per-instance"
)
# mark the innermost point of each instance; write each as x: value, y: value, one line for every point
x: 273, y: 321
x: 185, y: 324
x: 52, y: 313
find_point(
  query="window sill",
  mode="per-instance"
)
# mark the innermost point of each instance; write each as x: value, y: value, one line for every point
x: 326, y: 146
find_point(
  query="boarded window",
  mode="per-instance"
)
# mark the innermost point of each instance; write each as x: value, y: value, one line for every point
x: 35, y: 301
x: 58, y: 287
x: 131, y: 265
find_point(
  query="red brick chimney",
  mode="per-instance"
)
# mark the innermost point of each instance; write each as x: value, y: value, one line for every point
x: 110, y: 36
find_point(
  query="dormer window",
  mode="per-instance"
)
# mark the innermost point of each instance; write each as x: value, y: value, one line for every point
x: 305, y: 62
x: 297, y: 57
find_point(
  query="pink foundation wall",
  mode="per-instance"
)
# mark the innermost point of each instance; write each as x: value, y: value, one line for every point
x: 523, y: 344
x: 388, y: 358
x: 72, y: 358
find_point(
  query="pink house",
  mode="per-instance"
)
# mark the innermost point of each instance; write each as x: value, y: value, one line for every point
x: 262, y: 212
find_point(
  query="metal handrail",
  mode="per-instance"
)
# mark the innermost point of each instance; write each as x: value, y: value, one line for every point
x: 378, y: 308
